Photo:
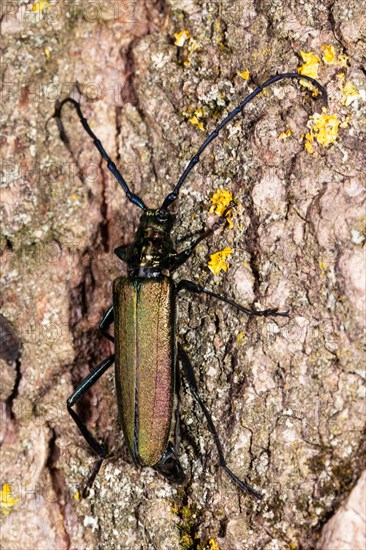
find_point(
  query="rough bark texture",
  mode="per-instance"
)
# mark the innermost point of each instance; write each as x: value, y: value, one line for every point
x: 286, y: 394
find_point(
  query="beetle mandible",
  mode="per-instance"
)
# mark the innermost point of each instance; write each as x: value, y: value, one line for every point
x: 144, y: 315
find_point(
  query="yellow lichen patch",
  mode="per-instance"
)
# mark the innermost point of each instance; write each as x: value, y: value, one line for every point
x: 213, y: 545
x: 218, y: 261
x: 285, y: 134
x: 77, y: 495
x: 181, y: 38
x: 243, y: 74
x: 7, y: 501
x: 309, y: 68
x: 40, y: 6
x: 344, y: 124
x: 193, y: 45
x: 220, y: 36
x: 324, y: 130
x: 329, y: 56
x: 308, y: 143
x: 195, y: 119
x: 221, y: 199
x: 323, y: 266
x: 239, y: 337
x: 342, y: 60
x: 349, y: 94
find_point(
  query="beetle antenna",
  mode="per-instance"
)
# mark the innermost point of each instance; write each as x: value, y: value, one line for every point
x: 135, y: 199
x: 194, y: 160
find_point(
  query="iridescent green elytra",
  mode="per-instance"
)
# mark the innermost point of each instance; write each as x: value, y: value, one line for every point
x: 144, y: 329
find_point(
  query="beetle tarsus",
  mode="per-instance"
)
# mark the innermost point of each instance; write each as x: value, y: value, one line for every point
x: 91, y: 478
x: 272, y: 313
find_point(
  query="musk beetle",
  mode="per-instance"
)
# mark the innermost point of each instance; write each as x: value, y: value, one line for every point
x: 144, y: 316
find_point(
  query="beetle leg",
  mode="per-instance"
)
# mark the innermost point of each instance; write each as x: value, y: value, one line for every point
x: 121, y: 252
x: 189, y: 373
x: 106, y: 321
x: 193, y: 287
x: 183, y: 256
x: 85, y: 385
x: 169, y: 466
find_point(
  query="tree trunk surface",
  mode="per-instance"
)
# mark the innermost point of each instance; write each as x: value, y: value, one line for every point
x: 286, y: 394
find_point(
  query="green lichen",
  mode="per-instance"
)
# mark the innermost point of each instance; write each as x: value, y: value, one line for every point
x: 343, y: 475
x: 190, y: 520
x: 317, y: 462
x: 276, y: 507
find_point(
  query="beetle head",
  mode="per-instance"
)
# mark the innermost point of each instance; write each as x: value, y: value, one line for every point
x: 159, y: 220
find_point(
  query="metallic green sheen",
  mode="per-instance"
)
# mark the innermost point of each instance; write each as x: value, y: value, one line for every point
x: 144, y: 312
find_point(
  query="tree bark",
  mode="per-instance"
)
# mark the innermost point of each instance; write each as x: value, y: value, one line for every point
x: 286, y: 394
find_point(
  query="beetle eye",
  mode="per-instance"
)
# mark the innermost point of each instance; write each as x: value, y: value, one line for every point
x: 162, y: 215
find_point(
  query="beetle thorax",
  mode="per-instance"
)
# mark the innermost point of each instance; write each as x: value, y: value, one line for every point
x: 152, y: 244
